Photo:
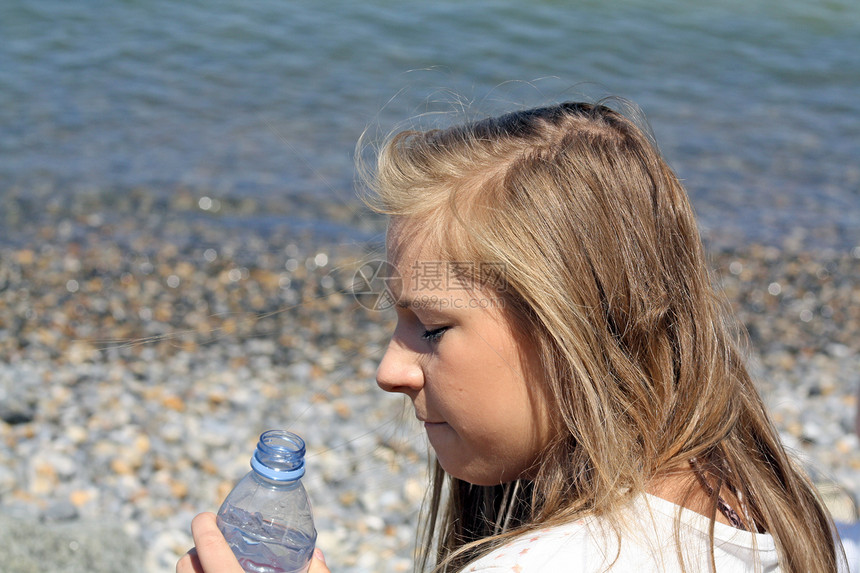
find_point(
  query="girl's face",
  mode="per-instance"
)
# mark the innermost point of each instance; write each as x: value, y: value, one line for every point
x: 474, y: 380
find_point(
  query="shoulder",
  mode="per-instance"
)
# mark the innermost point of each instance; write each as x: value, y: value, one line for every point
x: 642, y: 540
x: 549, y: 549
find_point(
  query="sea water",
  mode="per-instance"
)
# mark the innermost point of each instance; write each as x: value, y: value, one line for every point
x: 754, y: 103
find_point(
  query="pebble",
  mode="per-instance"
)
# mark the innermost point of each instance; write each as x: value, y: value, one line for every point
x: 141, y: 358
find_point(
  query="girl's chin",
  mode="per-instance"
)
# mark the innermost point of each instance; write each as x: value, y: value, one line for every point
x: 467, y: 470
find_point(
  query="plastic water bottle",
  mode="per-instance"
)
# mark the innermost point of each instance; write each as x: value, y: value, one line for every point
x: 267, y: 517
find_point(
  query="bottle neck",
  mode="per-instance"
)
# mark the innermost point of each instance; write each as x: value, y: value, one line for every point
x: 279, y: 457
x: 275, y: 484
x: 277, y: 469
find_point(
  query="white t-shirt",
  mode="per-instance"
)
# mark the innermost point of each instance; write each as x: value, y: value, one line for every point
x: 647, y: 543
x: 850, y: 534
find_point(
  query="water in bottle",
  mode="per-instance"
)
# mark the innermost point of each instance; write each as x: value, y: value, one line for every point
x: 267, y: 518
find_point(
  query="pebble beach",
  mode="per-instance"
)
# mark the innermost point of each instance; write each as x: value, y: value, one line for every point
x: 143, y: 352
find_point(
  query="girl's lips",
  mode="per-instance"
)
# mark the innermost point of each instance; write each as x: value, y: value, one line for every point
x: 424, y: 420
x: 430, y: 426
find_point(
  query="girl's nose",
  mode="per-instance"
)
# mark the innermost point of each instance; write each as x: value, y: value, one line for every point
x: 399, y: 370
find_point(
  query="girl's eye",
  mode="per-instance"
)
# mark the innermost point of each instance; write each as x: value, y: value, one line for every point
x: 435, y: 334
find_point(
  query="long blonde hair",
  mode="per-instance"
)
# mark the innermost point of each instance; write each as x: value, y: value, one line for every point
x: 605, y: 269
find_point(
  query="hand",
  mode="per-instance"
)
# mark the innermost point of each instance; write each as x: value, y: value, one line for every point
x: 318, y: 562
x: 211, y: 554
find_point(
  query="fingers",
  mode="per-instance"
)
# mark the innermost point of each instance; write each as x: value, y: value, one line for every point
x: 189, y: 563
x: 211, y: 554
x: 318, y: 562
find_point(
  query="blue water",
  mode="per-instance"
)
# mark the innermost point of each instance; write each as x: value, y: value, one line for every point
x: 756, y: 104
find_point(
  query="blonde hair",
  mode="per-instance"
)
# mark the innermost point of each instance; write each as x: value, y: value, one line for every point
x: 605, y: 269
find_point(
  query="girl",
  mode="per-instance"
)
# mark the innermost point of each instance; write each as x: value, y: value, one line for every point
x: 577, y: 376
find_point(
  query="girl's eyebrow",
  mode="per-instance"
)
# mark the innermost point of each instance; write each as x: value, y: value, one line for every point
x: 426, y: 307
x: 412, y: 304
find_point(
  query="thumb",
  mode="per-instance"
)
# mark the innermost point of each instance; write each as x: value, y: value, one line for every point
x: 318, y: 563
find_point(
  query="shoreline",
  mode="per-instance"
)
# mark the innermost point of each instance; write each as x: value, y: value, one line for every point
x: 142, y: 356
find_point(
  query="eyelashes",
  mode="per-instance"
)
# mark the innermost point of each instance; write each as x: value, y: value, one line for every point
x: 435, y: 334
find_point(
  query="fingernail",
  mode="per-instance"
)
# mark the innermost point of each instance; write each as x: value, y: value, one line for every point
x: 319, y: 554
